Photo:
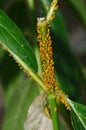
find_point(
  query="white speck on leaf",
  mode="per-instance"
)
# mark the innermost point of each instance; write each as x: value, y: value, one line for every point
x: 22, y: 45
x: 25, y: 56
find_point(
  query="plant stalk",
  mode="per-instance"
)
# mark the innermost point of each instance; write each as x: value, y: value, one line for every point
x: 53, y: 109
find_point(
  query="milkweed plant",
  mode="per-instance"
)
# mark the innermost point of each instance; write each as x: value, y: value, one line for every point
x: 12, y: 40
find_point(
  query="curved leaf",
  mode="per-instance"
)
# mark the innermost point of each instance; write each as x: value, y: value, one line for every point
x: 78, y: 115
x: 14, y: 42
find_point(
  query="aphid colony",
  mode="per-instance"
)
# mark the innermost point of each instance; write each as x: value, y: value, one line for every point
x: 46, y: 54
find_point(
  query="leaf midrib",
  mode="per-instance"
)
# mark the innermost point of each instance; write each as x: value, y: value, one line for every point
x: 16, y: 41
x: 77, y: 114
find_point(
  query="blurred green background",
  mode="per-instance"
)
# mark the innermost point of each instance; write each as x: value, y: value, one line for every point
x: 68, y: 32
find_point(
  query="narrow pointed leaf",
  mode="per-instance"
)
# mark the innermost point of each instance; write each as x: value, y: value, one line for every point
x: 78, y: 115
x: 15, y: 43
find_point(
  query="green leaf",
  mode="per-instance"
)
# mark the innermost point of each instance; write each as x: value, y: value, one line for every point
x: 78, y: 115
x: 1, y: 54
x: 15, y: 43
x: 80, y: 9
x: 18, y: 97
x: 8, y: 75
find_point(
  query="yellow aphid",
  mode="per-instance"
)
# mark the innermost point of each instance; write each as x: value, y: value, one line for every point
x: 4, y: 48
x: 10, y: 54
x: 47, y: 35
x: 46, y: 56
x: 19, y: 65
x: 55, y: 2
x: 38, y: 31
x: 56, y: 8
x: 63, y: 98
x: 47, y: 8
x: 55, y: 109
x: 52, y: 17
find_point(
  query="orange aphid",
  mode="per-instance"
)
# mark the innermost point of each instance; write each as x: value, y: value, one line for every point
x: 62, y: 97
x: 56, y: 8
x: 46, y: 56
x: 46, y: 53
x: 47, y: 8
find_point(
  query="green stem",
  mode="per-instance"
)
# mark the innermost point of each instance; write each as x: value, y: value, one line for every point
x: 51, y: 11
x: 30, y: 4
x: 54, y: 114
x: 37, y: 54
